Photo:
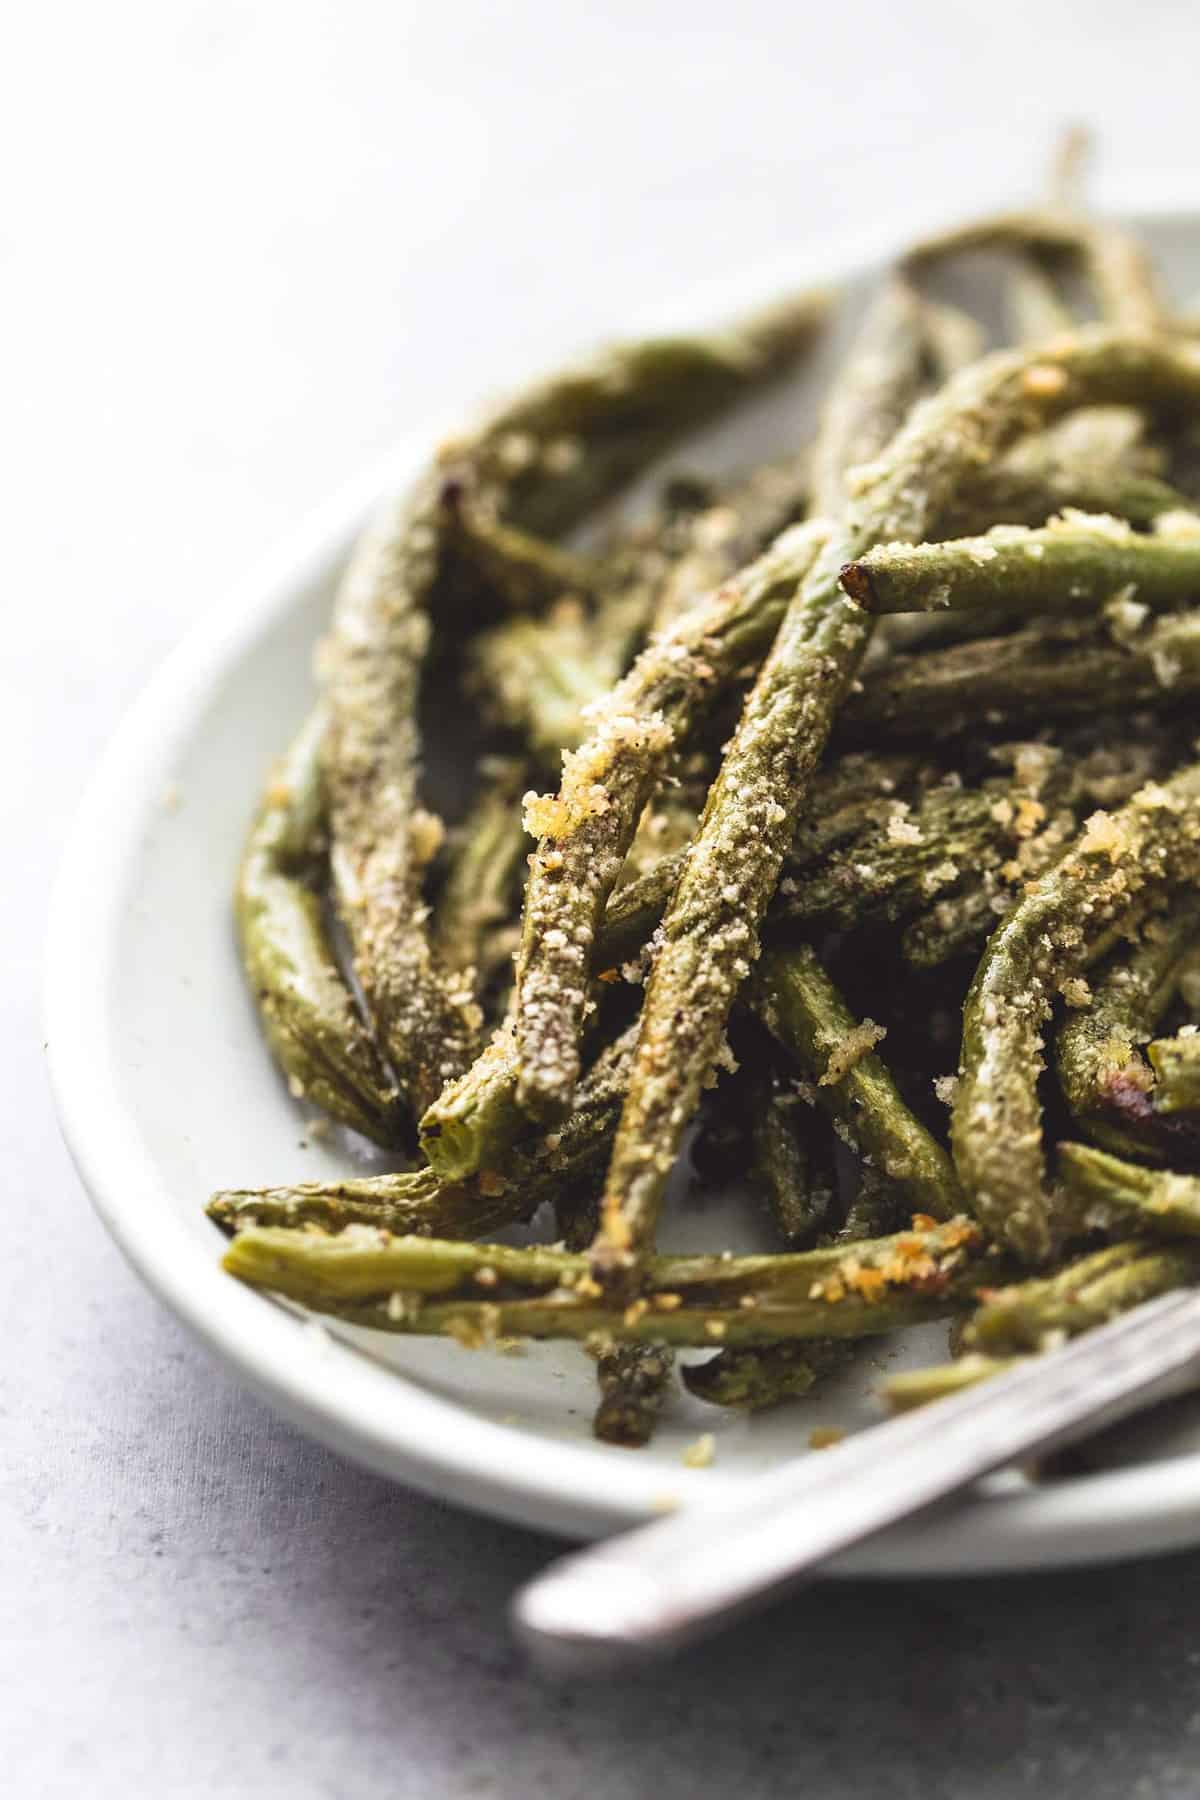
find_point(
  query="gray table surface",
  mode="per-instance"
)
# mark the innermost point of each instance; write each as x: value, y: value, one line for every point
x: 243, y: 247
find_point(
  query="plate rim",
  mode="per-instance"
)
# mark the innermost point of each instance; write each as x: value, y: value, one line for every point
x: 332, y: 1390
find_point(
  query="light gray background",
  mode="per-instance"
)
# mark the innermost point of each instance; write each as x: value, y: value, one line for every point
x: 242, y: 248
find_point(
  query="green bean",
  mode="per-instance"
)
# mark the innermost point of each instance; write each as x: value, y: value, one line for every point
x: 961, y: 923
x: 953, y: 339
x: 1115, y: 263
x: 876, y: 1209
x: 540, y: 1167
x: 848, y: 825
x: 867, y: 405
x: 772, y: 1374
x: 1037, y: 310
x: 1037, y: 1314
x: 537, y: 675
x: 635, y: 1381
x: 723, y: 537
x: 481, y: 1292
x: 1071, y: 670
x: 571, y: 882
x: 585, y: 831
x: 954, y: 927
x: 755, y: 1379
x: 381, y: 840
x: 791, y: 1161
x: 307, y: 1014
x: 545, y: 459
x: 1063, y: 922
x: 577, y: 1212
x: 414, y: 1203
x: 538, y: 465
x: 481, y: 882
x: 1106, y: 1193
x: 476, y: 1124
x: 891, y: 871
x: 1176, y: 1065
x: 540, y: 675
x: 802, y: 1008
x: 1104, y: 1077
x: 1039, y: 481
x: 709, y: 935
x: 1072, y: 565
x: 918, y: 1387
x: 528, y: 573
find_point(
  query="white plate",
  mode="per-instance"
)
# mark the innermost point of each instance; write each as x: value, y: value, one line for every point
x: 165, y: 1092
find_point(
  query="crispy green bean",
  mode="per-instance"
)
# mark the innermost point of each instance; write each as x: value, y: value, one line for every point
x: 538, y: 465
x: 709, y: 935
x: 1064, y: 921
x: 1176, y: 1065
x: 308, y: 1016
x: 540, y: 675
x: 772, y: 1374
x: 414, y: 1203
x: 791, y: 1161
x: 481, y: 1292
x: 803, y: 1009
x: 918, y: 1387
x: 635, y: 1381
x: 1106, y: 1193
x: 953, y: 339
x: 476, y: 1123
x: 853, y: 804
x: 585, y: 831
x: 961, y: 923
x: 757, y: 1378
x: 1036, y: 308
x: 528, y: 573
x: 867, y: 405
x: 539, y: 1167
x: 537, y: 675
x: 1068, y: 671
x: 892, y: 870
x: 1116, y: 265
x: 381, y: 841
x: 954, y: 927
x: 722, y: 538
x: 1072, y: 565
x: 483, y: 878
x: 565, y: 900
x: 1104, y: 1077
x: 876, y: 1209
x: 1042, y: 481
x: 1035, y: 1315
x: 545, y: 459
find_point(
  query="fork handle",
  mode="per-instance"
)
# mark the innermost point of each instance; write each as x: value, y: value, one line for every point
x: 667, y: 1584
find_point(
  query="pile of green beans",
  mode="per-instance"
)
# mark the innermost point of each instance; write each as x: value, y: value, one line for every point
x: 872, y: 797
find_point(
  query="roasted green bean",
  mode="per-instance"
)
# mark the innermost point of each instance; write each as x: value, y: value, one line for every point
x: 1070, y: 671
x: 1038, y: 1314
x: 635, y: 1381
x: 1105, y: 1193
x: 538, y: 465
x: 1064, y: 921
x: 481, y: 1292
x: 709, y: 935
x: 307, y: 1013
x: 1072, y: 565
x: 1106, y: 1081
x: 802, y: 1008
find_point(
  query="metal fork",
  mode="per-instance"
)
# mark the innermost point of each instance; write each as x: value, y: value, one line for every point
x: 670, y: 1583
